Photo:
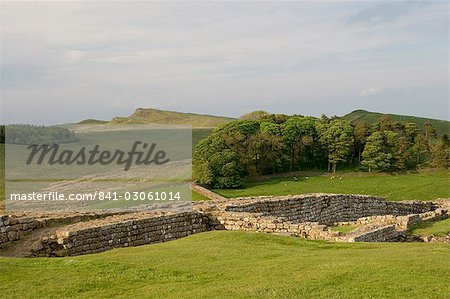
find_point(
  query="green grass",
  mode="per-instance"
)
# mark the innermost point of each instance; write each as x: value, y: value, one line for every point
x: 343, y: 229
x: 437, y: 228
x: 425, y: 186
x: 441, y: 126
x: 225, y: 264
x: 198, y: 197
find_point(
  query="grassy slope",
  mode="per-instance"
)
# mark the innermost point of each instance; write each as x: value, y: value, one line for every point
x: 437, y: 228
x: 230, y: 264
x: 427, y: 186
x: 143, y: 116
x: 441, y: 126
x: 92, y: 121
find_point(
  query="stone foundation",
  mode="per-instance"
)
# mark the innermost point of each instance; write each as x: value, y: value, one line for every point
x: 307, y: 216
x: 328, y: 208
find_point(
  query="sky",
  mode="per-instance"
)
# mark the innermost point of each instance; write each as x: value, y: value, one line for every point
x: 67, y: 61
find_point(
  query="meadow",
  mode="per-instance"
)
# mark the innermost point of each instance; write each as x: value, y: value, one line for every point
x: 231, y: 264
x: 420, y: 186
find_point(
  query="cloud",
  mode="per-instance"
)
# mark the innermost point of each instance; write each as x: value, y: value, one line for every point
x: 383, y: 12
x: 73, y: 56
x: 370, y: 91
x: 76, y: 60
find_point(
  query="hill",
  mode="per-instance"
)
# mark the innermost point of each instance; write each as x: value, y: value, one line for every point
x: 91, y: 121
x: 441, y: 126
x: 156, y: 116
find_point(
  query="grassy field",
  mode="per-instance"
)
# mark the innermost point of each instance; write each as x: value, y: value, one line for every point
x: 226, y: 264
x: 437, y: 228
x: 426, y: 186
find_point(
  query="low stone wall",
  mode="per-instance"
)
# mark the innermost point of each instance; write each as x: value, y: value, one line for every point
x: 16, y: 227
x: 327, y: 208
x: 378, y: 234
x: 400, y: 222
x: 13, y: 229
x: 269, y: 224
x: 121, y: 231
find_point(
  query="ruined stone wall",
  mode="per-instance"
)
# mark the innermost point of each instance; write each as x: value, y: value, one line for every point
x: 116, y: 232
x: 379, y: 234
x: 306, y: 216
x: 16, y: 227
x: 270, y: 224
x: 400, y: 222
x: 13, y: 229
x: 328, y: 208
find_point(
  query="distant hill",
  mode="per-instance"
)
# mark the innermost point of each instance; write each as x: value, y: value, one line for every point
x: 92, y: 121
x: 156, y: 116
x: 441, y: 126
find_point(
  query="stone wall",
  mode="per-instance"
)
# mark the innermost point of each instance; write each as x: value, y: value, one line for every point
x: 327, y: 208
x: 307, y: 216
x: 378, y: 234
x: 269, y: 224
x: 121, y: 231
x: 13, y: 229
x: 16, y: 227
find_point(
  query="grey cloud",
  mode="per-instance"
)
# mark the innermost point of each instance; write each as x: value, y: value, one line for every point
x: 384, y: 11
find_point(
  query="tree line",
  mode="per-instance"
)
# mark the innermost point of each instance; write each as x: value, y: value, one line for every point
x: 31, y: 134
x: 261, y: 143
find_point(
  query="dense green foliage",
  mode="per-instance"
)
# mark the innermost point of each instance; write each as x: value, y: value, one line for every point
x: 231, y: 264
x: 30, y: 134
x: 270, y: 144
x: 424, y: 186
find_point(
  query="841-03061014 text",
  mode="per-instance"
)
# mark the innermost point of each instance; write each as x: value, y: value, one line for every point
x: 98, y: 195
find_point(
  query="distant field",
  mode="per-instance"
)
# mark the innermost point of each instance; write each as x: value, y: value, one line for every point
x: 441, y: 126
x: 228, y: 264
x: 197, y: 135
x: 426, y: 186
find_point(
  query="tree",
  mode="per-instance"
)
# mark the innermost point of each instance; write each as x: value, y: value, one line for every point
x: 429, y: 131
x: 421, y: 148
x: 402, y: 155
x: 375, y: 157
x: 411, y: 131
x: 216, y: 165
x: 361, y: 132
x: 337, y: 137
x: 440, y: 153
x: 297, y: 134
x: 255, y: 115
x: 386, y: 123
